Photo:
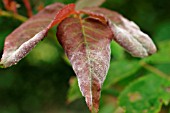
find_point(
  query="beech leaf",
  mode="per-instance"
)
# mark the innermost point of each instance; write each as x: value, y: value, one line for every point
x: 88, y: 3
x: 21, y: 41
x: 126, y: 33
x: 88, y: 50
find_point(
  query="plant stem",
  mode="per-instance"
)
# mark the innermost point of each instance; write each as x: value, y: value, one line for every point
x: 16, y: 16
x: 28, y: 7
x: 154, y: 70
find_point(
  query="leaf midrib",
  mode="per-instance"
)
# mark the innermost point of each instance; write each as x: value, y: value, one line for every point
x: 89, y: 61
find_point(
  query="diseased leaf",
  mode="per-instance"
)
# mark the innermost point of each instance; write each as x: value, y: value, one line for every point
x: 88, y: 3
x: 146, y: 95
x: 88, y: 50
x: 24, y: 38
x: 126, y: 33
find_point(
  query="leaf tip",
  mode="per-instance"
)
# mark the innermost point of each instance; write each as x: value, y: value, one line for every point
x: 93, y: 107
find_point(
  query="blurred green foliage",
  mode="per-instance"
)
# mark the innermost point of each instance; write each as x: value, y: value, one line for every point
x: 44, y: 82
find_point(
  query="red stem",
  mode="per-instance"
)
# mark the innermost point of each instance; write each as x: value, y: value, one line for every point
x: 28, y: 7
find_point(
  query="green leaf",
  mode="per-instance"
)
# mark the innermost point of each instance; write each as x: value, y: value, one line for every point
x: 117, y: 51
x: 73, y: 92
x: 120, y: 70
x: 162, y: 56
x: 107, y: 109
x: 146, y: 95
x: 164, y: 68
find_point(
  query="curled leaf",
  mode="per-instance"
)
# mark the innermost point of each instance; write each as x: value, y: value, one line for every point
x: 126, y: 33
x: 88, y: 50
x: 25, y: 37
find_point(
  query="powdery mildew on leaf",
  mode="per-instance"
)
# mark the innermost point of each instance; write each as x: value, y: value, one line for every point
x: 24, y: 38
x: 88, y: 50
x: 126, y: 33
x: 23, y: 50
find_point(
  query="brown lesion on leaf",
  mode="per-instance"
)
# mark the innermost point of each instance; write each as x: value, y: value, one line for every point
x: 120, y: 110
x: 167, y: 89
x: 145, y: 111
x: 135, y: 96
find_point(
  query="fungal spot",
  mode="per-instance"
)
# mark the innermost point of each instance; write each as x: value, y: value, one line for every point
x: 135, y: 96
x: 168, y: 89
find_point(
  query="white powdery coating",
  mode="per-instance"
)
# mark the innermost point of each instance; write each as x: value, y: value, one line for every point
x: 131, y: 44
x: 140, y: 36
x: 13, y: 57
x: 90, y: 67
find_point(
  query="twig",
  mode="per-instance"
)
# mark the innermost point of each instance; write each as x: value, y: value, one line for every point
x: 16, y: 16
x: 154, y: 70
x: 28, y: 7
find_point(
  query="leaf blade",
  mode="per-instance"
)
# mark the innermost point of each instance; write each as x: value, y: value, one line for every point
x: 126, y: 33
x: 138, y: 99
x: 89, y: 54
x: 20, y: 41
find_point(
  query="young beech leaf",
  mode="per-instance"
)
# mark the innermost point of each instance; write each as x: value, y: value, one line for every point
x: 87, y: 45
x: 88, y: 3
x: 126, y: 33
x: 24, y: 38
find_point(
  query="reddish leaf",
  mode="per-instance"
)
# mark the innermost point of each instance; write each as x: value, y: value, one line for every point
x: 94, y: 15
x: 24, y: 38
x: 87, y: 45
x: 62, y: 14
x: 88, y: 3
x: 126, y: 32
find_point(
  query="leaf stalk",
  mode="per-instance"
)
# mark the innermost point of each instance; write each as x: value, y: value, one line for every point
x: 154, y: 70
x: 13, y: 15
